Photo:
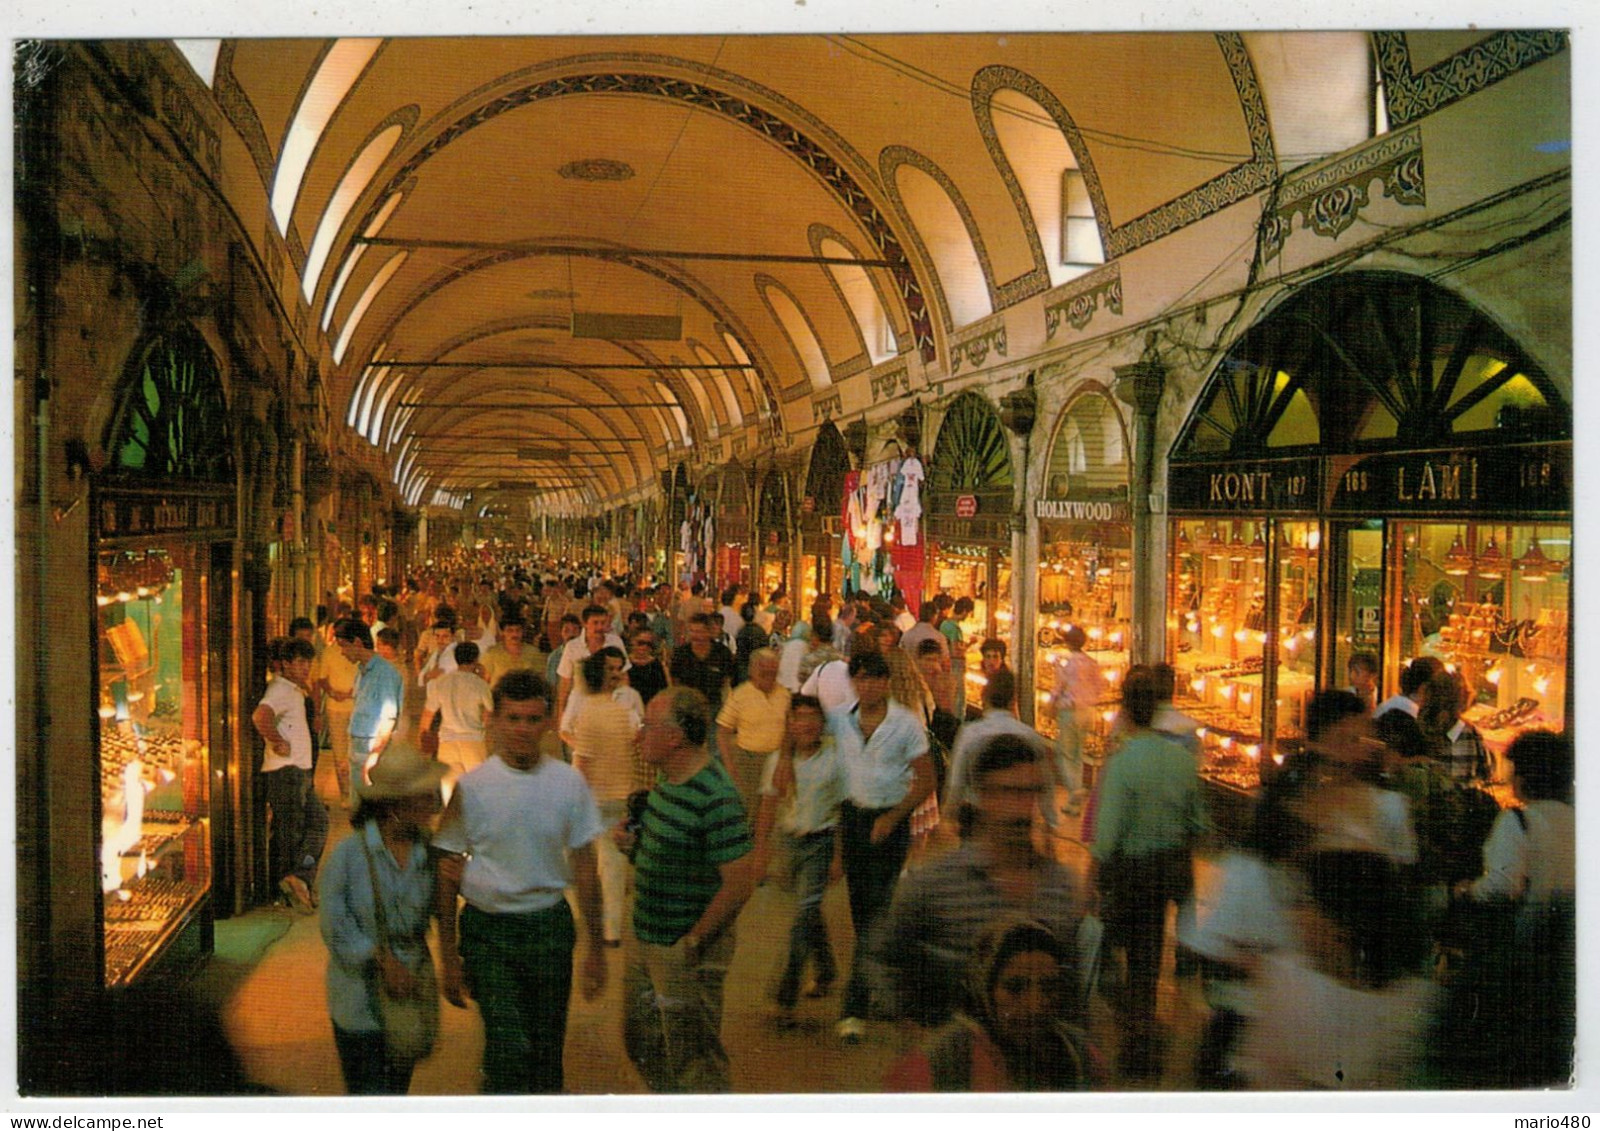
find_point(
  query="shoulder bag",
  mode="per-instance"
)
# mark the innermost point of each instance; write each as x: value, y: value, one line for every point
x: 410, y: 1024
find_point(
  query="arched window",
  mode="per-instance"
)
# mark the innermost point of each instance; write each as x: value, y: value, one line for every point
x: 351, y: 185
x: 340, y: 68
x: 971, y: 454
x: 1371, y: 360
x: 877, y: 331
x: 806, y: 346
x: 944, y: 233
x: 1047, y: 172
x: 171, y: 420
x: 1090, y: 453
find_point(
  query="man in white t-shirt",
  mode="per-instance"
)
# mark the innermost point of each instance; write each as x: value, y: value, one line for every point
x: 462, y: 703
x: 519, y: 830
x: 596, y: 635
x: 280, y: 720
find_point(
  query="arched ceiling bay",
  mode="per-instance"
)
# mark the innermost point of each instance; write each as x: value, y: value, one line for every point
x: 535, y: 288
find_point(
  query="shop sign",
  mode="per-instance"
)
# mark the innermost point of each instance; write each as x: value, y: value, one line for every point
x: 164, y: 514
x: 1246, y: 486
x: 966, y: 506
x: 1082, y: 510
x: 1515, y: 479
x: 808, y: 505
x: 987, y: 531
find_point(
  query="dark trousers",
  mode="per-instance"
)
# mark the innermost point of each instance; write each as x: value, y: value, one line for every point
x: 367, y: 1067
x: 870, y: 872
x: 519, y: 969
x: 1140, y: 889
x: 299, y: 824
x: 808, y: 938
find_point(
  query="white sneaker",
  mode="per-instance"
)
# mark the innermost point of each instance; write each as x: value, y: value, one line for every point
x: 852, y: 1030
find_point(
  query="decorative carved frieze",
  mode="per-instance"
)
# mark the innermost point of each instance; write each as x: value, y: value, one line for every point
x: 891, y: 382
x: 825, y: 405
x: 1329, y: 198
x: 1082, y: 297
x: 974, y: 348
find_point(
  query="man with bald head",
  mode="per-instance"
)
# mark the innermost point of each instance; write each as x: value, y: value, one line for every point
x: 750, y: 726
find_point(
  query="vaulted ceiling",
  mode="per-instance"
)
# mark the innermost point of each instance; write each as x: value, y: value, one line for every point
x: 557, y: 264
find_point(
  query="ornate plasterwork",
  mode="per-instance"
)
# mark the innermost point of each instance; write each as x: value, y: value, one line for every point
x: 844, y: 186
x: 891, y: 382
x: 973, y: 346
x: 1079, y: 299
x: 1329, y: 198
x: 596, y: 169
x: 1411, y: 95
x: 826, y: 404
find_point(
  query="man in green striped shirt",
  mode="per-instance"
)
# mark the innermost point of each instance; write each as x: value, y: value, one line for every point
x: 691, y: 878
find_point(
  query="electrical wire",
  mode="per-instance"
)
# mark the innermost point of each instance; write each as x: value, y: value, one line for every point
x: 661, y: 169
x: 876, y: 56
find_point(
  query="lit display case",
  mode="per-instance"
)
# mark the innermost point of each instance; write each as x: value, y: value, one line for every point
x: 1491, y: 600
x: 984, y: 574
x: 1243, y: 631
x: 1088, y: 584
x: 155, y: 838
x: 1085, y: 548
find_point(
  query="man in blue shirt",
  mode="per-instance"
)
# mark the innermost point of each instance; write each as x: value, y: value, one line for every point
x: 376, y: 707
x: 883, y: 755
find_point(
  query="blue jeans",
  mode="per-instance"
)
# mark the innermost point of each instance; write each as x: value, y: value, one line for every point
x: 813, y: 854
x: 299, y: 824
x: 519, y: 969
x: 871, y: 872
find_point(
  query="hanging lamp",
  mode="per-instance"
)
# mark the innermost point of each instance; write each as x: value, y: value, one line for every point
x: 1534, y: 565
x: 1492, y: 563
x: 1458, y: 562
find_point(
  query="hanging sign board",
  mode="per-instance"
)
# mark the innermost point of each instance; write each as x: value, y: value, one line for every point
x: 1246, y: 486
x: 158, y: 514
x: 1519, y: 479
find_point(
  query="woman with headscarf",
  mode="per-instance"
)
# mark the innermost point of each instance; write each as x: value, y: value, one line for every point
x: 1010, y: 1035
x: 377, y: 898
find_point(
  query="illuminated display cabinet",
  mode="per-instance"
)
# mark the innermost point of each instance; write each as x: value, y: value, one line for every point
x: 1373, y: 468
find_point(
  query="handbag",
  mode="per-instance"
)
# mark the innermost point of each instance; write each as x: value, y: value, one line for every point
x: 410, y: 1024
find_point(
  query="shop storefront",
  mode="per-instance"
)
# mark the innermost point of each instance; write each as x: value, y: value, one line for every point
x: 170, y: 851
x: 1374, y: 468
x: 772, y: 533
x: 967, y: 523
x: 1085, y: 548
x: 676, y: 514
x: 821, y: 527
x: 696, y: 535
x: 733, y: 557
